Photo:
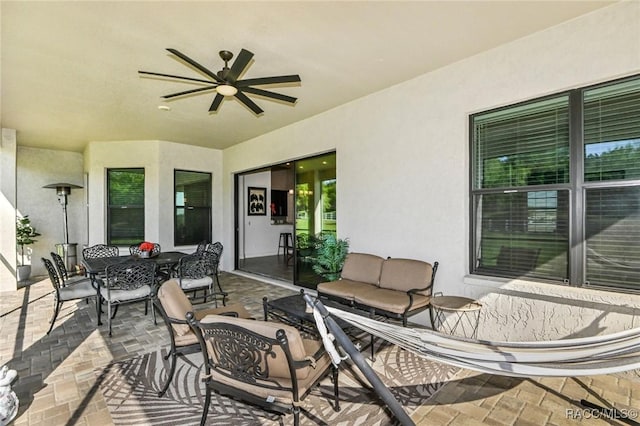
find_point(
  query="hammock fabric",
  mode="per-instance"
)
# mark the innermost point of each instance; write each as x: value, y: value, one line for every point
x: 588, y: 356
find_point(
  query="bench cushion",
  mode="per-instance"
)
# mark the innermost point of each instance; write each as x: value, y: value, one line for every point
x: 345, y: 289
x: 362, y: 267
x: 391, y: 300
x: 406, y: 274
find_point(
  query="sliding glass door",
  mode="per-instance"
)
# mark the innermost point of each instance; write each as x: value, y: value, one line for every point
x: 278, y: 240
x: 316, y: 209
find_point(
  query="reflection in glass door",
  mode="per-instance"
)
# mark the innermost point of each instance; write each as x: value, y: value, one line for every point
x: 300, y: 206
x: 315, y: 212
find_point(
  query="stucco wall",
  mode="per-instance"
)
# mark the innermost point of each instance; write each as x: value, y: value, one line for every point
x: 159, y: 159
x: 35, y: 169
x: 403, y: 153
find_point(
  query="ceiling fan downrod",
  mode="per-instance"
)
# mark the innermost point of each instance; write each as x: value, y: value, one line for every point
x: 226, y: 57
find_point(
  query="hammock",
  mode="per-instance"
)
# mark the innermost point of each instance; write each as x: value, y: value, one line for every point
x: 612, y: 353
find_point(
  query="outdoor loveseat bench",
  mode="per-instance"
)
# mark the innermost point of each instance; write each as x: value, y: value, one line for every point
x: 395, y: 288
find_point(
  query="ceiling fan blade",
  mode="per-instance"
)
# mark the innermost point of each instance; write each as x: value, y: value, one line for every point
x: 268, y: 80
x: 195, y: 64
x: 239, y: 65
x: 248, y: 102
x: 269, y: 94
x: 157, y: 74
x: 186, y: 92
x: 216, y: 102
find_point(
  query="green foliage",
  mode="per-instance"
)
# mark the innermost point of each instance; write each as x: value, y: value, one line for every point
x: 330, y: 255
x: 25, y: 234
x: 526, y: 168
x: 329, y: 195
x: 126, y: 187
x: 609, y: 161
x: 620, y: 160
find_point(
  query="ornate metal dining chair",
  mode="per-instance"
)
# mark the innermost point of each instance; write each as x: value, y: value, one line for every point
x: 129, y: 282
x: 173, y: 305
x: 266, y: 364
x: 64, y: 293
x: 164, y: 272
x: 63, y: 273
x: 213, y: 252
x: 193, y: 275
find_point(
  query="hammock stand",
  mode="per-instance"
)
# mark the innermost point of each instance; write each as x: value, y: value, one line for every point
x: 322, y: 318
x: 594, y: 355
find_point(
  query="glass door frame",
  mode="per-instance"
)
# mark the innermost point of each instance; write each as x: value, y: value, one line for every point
x: 238, y: 209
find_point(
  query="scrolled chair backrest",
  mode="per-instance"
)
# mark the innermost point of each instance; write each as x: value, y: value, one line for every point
x: 100, y: 250
x: 213, y: 253
x: 60, y: 266
x: 252, y: 351
x: 53, y: 275
x: 216, y: 248
x: 131, y: 275
x: 211, y: 260
x: 202, y: 246
x: 193, y: 266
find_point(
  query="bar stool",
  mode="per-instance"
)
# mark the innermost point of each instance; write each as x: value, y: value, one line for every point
x: 285, y: 243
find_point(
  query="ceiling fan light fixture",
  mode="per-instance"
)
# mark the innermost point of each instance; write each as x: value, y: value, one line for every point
x: 226, y: 90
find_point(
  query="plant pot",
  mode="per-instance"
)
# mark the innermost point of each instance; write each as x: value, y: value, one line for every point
x: 23, y: 272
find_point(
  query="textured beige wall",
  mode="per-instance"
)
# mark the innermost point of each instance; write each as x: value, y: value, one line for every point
x: 8, y: 260
x: 403, y: 153
x: 40, y: 167
x: 159, y: 159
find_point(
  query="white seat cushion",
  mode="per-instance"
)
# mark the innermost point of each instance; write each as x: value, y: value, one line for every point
x: 191, y: 283
x: 79, y: 290
x: 125, y: 295
x: 76, y: 279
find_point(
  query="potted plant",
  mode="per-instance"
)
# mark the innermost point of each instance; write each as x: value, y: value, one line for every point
x: 25, y: 235
x: 330, y: 255
x: 305, y: 244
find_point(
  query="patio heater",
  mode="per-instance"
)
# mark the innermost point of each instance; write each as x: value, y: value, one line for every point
x: 66, y: 250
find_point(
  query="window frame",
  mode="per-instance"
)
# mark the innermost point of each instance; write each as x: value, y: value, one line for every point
x: 577, y: 187
x: 109, y: 206
x: 209, y: 233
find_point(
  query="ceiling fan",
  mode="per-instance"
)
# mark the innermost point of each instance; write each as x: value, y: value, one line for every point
x: 225, y: 82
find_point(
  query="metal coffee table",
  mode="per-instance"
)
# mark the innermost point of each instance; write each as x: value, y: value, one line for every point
x: 292, y: 310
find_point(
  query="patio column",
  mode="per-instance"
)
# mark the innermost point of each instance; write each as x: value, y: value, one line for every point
x: 8, y: 256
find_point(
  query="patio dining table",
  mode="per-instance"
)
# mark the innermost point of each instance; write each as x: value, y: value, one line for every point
x: 95, y: 267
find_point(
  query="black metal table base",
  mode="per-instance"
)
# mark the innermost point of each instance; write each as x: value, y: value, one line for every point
x: 292, y: 310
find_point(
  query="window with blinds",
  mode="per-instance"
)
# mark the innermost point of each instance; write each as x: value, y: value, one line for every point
x: 125, y: 206
x: 521, y: 146
x: 612, y: 190
x: 521, y: 157
x: 612, y: 132
x: 559, y: 173
x: 192, y: 214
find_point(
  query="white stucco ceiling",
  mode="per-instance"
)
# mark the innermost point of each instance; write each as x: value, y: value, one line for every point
x: 69, y: 69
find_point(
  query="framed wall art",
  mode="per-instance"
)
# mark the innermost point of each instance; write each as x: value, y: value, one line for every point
x: 257, y: 201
